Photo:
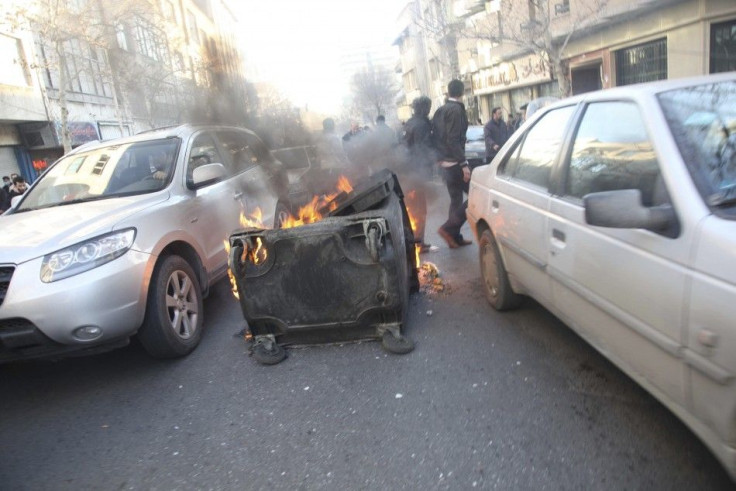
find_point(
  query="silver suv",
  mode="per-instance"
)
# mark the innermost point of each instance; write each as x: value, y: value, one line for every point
x: 125, y: 237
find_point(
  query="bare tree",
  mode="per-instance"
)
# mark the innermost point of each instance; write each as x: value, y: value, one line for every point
x: 374, y: 90
x: 539, y: 27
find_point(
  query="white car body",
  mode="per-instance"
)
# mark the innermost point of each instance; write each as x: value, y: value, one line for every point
x: 659, y: 300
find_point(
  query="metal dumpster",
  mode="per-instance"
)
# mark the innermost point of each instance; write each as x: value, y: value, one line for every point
x: 345, y: 277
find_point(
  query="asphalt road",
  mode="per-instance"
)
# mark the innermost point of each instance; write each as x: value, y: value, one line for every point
x: 486, y: 400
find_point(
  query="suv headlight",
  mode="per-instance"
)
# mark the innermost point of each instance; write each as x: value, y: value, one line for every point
x: 86, y: 255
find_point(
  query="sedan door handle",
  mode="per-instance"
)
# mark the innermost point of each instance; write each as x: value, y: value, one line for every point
x: 494, y: 205
x: 238, y: 195
x: 558, y: 234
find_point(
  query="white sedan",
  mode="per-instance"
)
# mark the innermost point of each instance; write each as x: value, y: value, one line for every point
x: 616, y: 210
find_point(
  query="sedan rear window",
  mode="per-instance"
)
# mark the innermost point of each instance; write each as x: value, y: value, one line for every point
x: 703, y: 123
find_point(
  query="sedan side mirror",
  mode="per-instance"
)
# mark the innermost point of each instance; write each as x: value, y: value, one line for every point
x: 207, y: 174
x: 623, y: 209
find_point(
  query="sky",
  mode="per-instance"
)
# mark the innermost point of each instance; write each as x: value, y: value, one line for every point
x: 296, y: 44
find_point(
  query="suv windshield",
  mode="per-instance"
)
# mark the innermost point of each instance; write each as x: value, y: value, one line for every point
x: 703, y: 122
x: 116, y: 170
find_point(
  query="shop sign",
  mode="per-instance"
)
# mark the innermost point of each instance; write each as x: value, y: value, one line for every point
x: 82, y: 132
x: 508, y: 75
x: 40, y: 165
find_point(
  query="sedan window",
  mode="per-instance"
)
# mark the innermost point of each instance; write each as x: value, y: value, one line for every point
x: 612, y: 151
x: 703, y: 123
x: 532, y: 161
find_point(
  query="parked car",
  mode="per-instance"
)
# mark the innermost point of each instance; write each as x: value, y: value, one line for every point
x: 475, y: 146
x: 616, y: 210
x: 126, y: 237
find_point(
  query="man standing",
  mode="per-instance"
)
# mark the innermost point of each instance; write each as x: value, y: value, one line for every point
x: 495, y: 133
x: 329, y: 146
x: 449, y: 125
x: 421, y: 161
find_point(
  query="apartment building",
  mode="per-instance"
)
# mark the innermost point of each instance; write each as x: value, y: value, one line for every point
x: 512, y: 51
x: 149, y: 66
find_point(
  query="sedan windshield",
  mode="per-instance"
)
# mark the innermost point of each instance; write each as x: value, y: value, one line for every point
x: 116, y: 170
x: 475, y: 133
x: 703, y: 123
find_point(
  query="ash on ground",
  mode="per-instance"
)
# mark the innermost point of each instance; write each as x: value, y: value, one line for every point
x: 429, y: 279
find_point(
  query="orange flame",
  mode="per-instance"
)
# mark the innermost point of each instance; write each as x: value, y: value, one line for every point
x: 413, y: 223
x: 255, y: 219
x: 259, y: 254
x: 230, y: 275
x: 310, y: 212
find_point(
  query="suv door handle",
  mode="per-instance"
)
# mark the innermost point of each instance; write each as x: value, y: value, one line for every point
x: 558, y: 234
x: 494, y: 204
x: 238, y: 195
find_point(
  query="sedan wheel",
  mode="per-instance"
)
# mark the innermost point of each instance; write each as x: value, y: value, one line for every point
x: 173, y: 323
x: 495, y: 279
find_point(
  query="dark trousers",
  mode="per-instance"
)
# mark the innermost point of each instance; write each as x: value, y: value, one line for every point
x: 456, y: 186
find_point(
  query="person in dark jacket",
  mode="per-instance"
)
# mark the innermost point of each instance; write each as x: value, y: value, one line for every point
x: 495, y: 133
x: 449, y: 126
x: 417, y: 139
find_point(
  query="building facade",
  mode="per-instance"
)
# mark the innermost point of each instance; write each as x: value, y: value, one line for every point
x: 152, y: 60
x: 510, y: 52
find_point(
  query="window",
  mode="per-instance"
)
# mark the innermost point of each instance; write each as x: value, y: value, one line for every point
x: 15, y: 68
x: 410, y: 81
x: 702, y: 119
x: 85, y: 68
x: 562, y: 8
x: 723, y: 47
x: 643, y: 63
x: 533, y: 159
x: 204, y: 151
x: 612, y: 151
x: 434, y: 69
x: 169, y: 11
x: 151, y: 41
x: 245, y: 150
x: 192, y: 27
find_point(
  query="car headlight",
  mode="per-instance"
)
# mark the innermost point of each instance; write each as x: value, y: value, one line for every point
x: 86, y: 255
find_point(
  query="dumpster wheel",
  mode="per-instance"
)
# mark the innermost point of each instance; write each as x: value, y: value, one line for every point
x: 396, y: 343
x: 267, y: 351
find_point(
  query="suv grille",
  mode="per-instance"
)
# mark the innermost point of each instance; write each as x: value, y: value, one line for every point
x: 6, y: 272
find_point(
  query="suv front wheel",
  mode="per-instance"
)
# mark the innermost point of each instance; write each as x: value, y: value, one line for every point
x: 173, y: 323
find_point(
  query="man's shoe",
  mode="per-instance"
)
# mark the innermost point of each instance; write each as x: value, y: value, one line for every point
x: 462, y: 242
x: 448, y: 238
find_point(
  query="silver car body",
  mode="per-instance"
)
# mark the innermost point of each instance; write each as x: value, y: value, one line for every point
x: 659, y: 303
x: 176, y: 219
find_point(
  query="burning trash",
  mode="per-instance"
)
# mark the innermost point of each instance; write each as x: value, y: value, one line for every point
x: 345, y: 276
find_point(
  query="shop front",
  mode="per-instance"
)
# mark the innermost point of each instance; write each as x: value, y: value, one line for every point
x: 511, y: 84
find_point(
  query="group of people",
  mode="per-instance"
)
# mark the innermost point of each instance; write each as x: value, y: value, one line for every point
x: 13, y: 185
x: 425, y: 147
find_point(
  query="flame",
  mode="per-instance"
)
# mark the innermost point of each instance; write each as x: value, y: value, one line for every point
x: 311, y: 213
x: 255, y: 219
x: 259, y: 254
x: 413, y: 223
x: 343, y: 184
x: 230, y: 275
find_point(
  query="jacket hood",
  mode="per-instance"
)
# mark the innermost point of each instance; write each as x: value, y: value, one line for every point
x: 31, y: 234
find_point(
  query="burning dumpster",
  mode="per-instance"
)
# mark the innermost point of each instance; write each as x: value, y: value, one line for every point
x: 345, y: 277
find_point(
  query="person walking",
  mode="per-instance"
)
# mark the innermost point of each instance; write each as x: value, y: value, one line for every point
x: 417, y: 139
x: 495, y: 133
x: 449, y: 126
x: 330, y: 148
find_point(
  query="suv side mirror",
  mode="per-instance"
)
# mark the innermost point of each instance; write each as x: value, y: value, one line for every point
x: 207, y: 174
x: 623, y: 209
